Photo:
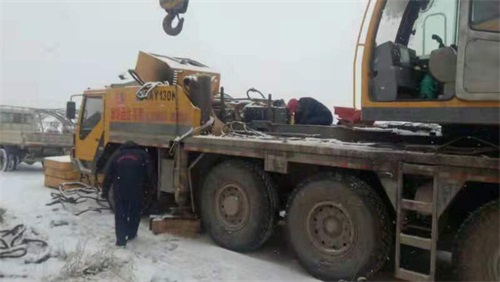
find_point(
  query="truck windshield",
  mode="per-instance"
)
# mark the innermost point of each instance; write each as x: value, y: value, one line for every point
x: 92, y: 113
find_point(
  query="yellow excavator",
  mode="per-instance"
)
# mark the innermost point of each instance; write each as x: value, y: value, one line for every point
x: 433, y: 61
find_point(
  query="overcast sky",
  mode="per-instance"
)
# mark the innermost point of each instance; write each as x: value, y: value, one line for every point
x: 52, y: 49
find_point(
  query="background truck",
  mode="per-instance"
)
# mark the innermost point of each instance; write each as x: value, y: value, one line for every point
x: 28, y: 135
x: 354, y: 197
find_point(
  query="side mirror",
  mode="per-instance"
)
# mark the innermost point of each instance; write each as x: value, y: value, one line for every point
x: 70, y: 110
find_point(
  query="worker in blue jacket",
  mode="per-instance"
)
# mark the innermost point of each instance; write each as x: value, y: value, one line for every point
x: 128, y: 171
x: 309, y: 111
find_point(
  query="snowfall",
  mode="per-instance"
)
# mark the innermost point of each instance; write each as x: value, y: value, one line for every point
x: 81, y: 248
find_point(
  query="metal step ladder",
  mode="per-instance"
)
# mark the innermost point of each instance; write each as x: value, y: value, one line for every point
x: 427, y: 208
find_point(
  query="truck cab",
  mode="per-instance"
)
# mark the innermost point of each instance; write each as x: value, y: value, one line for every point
x: 112, y: 115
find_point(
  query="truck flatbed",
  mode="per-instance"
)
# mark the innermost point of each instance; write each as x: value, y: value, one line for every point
x: 24, y: 138
x: 331, y: 152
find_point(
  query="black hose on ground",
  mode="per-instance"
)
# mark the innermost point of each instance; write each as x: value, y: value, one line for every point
x: 13, y: 244
x: 77, y: 196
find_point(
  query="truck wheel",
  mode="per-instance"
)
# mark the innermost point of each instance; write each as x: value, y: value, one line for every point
x: 338, y: 227
x: 476, y: 252
x: 238, y: 205
x: 13, y: 161
x: 10, y: 162
x: 4, y: 160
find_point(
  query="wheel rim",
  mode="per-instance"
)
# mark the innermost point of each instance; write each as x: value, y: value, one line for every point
x: 330, y: 229
x: 232, y: 206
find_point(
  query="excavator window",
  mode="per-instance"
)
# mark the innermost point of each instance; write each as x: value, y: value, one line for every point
x: 485, y: 15
x: 390, y: 21
x: 438, y: 18
x: 408, y: 33
x: 92, y: 113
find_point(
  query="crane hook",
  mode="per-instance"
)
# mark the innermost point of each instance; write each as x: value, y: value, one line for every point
x: 168, y: 24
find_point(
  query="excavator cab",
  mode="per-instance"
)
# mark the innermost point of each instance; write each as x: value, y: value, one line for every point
x: 432, y: 61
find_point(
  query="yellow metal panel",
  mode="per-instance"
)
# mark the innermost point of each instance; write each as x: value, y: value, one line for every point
x: 367, y: 52
x: 165, y: 105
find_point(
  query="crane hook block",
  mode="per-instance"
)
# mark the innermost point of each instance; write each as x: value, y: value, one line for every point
x: 174, y: 6
x: 173, y: 9
x: 168, y: 25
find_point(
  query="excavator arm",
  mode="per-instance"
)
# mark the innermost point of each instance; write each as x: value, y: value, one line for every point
x: 173, y: 9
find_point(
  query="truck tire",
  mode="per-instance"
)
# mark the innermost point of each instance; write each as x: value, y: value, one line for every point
x: 476, y: 251
x: 4, y: 160
x: 338, y: 227
x: 18, y: 161
x: 13, y: 161
x: 12, y: 158
x: 238, y: 205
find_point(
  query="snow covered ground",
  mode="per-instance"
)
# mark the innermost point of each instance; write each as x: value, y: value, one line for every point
x: 148, y: 258
x: 77, y: 242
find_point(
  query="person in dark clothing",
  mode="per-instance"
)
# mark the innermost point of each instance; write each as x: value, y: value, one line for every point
x: 309, y: 111
x: 128, y: 171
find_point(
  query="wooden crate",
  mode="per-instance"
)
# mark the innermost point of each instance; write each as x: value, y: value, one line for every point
x: 62, y: 174
x: 58, y: 163
x: 183, y: 227
x: 58, y: 170
x: 54, y: 182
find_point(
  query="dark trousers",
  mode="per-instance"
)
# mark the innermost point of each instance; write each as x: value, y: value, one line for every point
x: 127, y: 218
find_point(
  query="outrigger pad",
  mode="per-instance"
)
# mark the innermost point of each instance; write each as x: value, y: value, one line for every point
x: 188, y: 227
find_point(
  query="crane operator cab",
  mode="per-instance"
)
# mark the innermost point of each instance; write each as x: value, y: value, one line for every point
x: 433, y: 61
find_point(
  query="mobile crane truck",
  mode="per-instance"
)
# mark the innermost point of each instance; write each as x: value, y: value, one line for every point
x: 355, y: 197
